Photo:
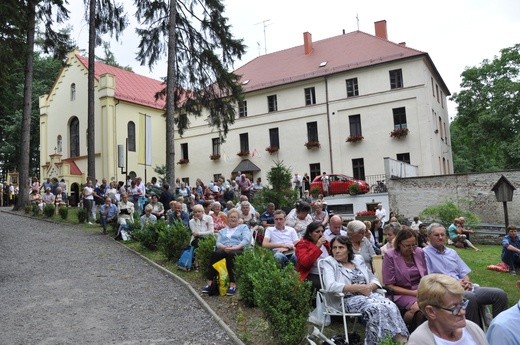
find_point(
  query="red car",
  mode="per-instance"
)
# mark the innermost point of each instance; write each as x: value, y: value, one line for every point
x: 340, y: 184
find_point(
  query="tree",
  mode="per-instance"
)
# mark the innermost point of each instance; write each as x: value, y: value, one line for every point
x: 43, y: 11
x: 104, y: 16
x: 200, y: 48
x: 488, y: 115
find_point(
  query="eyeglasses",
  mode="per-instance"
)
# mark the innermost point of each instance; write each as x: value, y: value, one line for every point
x: 408, y: 246
x: 456, y: 309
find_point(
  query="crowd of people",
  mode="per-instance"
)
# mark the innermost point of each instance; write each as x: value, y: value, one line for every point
x: 430, y: 297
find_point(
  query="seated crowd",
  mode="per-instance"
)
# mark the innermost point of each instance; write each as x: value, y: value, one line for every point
x: 422, y: 276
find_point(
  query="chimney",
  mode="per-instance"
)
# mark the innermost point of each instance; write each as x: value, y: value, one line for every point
x: 381, y: 29
x: 402, y: 44
x: 307, y: 42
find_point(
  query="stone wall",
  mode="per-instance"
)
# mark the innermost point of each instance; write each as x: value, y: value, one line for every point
x: 472, y: 192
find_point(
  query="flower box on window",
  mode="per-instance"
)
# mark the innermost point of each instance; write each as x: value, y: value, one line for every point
x: 399, y: 133
x: 214, y: 157
x: 354, y: 138
x: 272, y: 149
x: 183, y: 161
x: 243, y: 153
x: 312, y: 144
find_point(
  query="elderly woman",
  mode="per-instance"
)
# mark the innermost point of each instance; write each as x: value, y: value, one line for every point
x: 201, y: 225
x: 441, y: 299
x: 231, y: 241
x: 346, y: 272
x: 247, y: 215
x: 311, y: 248
x: 360, y: 244
x: 219, y: 217
x: 299, y: 217
x: 391, y: 229
x: 403, y: 268
x: 319, y: 215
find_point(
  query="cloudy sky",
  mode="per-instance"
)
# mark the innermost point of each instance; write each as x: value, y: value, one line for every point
x: 455, y: 33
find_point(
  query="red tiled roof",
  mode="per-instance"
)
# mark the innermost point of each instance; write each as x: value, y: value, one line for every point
x: 130, y: 87
x: 74, y: 169
x: 344, y: 52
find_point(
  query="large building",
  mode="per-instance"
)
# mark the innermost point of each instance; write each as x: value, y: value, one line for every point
x: 340, y: 105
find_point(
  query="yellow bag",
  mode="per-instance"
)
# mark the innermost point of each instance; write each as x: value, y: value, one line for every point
x: 223, y: 280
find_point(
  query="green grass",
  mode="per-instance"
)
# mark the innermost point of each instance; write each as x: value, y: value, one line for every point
x: 478, y: 261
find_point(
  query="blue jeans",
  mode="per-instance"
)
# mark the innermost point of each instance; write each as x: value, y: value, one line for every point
x: 283, y: 259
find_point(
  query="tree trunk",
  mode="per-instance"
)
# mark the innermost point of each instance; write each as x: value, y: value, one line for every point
x: 23, y: 180
x: 170, y: 99
x: 91, y: 111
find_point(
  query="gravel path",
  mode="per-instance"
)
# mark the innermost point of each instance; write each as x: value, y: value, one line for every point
x: 65, y: 284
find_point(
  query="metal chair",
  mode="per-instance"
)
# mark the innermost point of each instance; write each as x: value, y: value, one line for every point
x: 330, y: 309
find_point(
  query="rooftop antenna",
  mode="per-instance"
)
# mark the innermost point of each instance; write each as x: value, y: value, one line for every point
x: 357, y: 19
x: 264, y: 23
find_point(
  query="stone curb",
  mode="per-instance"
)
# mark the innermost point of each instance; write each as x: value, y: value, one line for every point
x: 172, y: 275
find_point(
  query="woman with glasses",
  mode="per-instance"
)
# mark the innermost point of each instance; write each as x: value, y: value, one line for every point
x: 347, y: 273
x: 403, y: 267
x: 311, y: 248
x: 441, y: 299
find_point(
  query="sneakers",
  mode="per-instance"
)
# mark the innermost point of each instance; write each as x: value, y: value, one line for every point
x: 231, y: 291
x: 90, y: 223
x: 513, y: 272
x: 205, y: 289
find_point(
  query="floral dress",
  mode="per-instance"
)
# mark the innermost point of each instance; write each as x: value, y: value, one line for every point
x: 381, y: 315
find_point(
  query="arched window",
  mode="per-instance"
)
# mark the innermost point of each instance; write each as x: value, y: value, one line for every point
x: 131, y: 136
x: 59, y: 144
x: 74, y: 137
x: 72, y: 92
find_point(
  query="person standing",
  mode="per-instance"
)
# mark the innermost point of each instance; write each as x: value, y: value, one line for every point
x: 297, y: 181
x: 381, y: 215
x: 325, y: 183
x: 306, y: 182
x: 245, y: 186
x: 88, y: 199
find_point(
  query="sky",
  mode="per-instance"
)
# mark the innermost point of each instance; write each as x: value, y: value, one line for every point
x: 455, y: 33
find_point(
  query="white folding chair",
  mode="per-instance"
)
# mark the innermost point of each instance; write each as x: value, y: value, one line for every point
x: 330, y: 309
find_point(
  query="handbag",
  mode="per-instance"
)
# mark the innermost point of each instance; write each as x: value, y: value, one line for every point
x: 318, y: 316
x: 185, y: 262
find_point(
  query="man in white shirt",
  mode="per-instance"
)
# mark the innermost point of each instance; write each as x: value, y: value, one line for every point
x: 381, y: 214
x: 335, y: 228
x: 281, y: 240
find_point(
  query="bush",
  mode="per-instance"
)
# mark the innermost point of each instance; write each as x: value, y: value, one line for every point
x: 445, y: 214
x: 82, y: 215
x: 353, y: 189
x: 35, y: 210
x: 281, y: 194
x: 246, y: 266
x: 203, y: 253
x: 147, y: 236
x: 172, y: 239
x: 49, y: 210
x: 286, y: 312
x: 28, y: 209
x: 64, y: 212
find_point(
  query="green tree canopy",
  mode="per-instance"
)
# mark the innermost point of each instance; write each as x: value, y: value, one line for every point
x: 485, y: 132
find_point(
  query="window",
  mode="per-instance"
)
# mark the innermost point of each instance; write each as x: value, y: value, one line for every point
x: 131, y: 136
x: 274, y: 139
x: 314, y: 170
x: 74, y: 137
x: 396, y: 79
x: 72, y: 92
x: 215, y: 143
x: 358, y: 167
x: 442, y: 99
x: 242, y: 109
x: 312, y: 131
x: 440, y: 127
x: 437, y: 92
x: 244, y: 142
x: 352, y: 87
x: 272, y: 103
x: 403, y: 157
x: 59, y: 144
x: 355, y: 125
x: 310, y: 96
x: 399, y: 118
x: 216, y: 177
x: 433, y: 89
x: 184, y: 151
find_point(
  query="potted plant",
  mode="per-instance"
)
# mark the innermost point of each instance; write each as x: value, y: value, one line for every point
x: 354, y: 138
x: 399, y: 133
x: 353, y: 189
x: 183, y: 161
x: 312, y: 144
x: 366, y: 215
x: 243, y: 153
x: 272, y: 149
x: 214, y: 157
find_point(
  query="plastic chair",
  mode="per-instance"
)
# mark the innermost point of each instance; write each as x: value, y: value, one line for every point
x: 331, y: 310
